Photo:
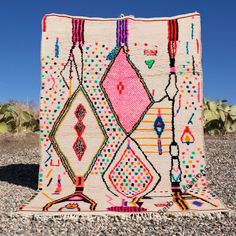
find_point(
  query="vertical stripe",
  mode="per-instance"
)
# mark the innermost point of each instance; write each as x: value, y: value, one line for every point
x: 78, y: 32
x: 117, y: 33
x: 193, y: 65
x: 73, y: 31
x: 198, y: 92
x: 82, y: 35
x: 77, y: 22
x: 197, y: 46
x: 122, y: 32
x: 126, y: 32
x: 187, y: 51
x: 44, y: 24
x: 192, y: 27
x: 81, y: 32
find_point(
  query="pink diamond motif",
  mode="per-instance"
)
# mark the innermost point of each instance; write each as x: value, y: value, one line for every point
x: 132, y: 102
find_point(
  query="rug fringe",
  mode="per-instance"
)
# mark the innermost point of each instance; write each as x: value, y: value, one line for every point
x: 127, y: 217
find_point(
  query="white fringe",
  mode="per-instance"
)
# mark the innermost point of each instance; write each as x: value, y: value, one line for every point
x: 125, y: 217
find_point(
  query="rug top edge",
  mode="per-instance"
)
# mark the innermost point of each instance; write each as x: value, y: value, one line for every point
x: 131, y: 17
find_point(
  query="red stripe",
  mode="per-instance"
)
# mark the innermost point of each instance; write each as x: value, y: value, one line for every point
x: 44, y: 23
x: 169, y: 37
x: 197, y: 46
x: 175, y: 31
x: 76, y: 31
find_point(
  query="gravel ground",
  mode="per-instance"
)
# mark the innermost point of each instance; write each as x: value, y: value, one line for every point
x: 19, y: 160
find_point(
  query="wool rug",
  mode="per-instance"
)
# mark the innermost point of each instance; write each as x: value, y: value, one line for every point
x: 121, y: 127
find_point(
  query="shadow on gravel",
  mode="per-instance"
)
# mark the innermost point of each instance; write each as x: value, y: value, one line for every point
x: 20, y: 174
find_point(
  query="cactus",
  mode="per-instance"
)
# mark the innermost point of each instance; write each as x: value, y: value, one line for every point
x: 16, y: 117
x: 219, y: 118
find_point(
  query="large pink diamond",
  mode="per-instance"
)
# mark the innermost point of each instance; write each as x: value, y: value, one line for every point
x: 125, y: 90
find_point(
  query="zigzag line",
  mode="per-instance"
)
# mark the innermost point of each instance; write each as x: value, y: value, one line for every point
x: 109, y: 200
x: 50, y: 156
x: 53, y: 79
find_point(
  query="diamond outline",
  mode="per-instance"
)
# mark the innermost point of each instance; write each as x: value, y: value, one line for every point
x: 52, y: 138
x: 140, y: 79
x: 114, y: 156
x: 117, y: 164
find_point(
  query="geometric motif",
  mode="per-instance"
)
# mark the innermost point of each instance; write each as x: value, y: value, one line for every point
x: 125, y: 91
x: 130, y: 176
x: 117, y: 129
x: 79, y: 145
x: 85, y: 123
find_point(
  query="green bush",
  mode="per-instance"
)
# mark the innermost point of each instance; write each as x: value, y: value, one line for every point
x: 219, y: 118
x: 16, y: 117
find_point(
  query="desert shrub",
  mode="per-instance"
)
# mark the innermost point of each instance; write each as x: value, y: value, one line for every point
x: 219, y: 118
x: 17, y: 117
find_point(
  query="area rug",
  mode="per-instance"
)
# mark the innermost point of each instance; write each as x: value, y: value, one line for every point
x: 121, y: 127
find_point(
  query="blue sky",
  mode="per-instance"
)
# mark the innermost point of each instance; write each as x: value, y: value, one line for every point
x: 20, y: 24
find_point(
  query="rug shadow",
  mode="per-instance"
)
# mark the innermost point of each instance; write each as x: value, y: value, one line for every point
x: 20, y: 174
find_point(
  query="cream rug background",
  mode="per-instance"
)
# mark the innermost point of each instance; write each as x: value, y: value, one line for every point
x: 121, y: 116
